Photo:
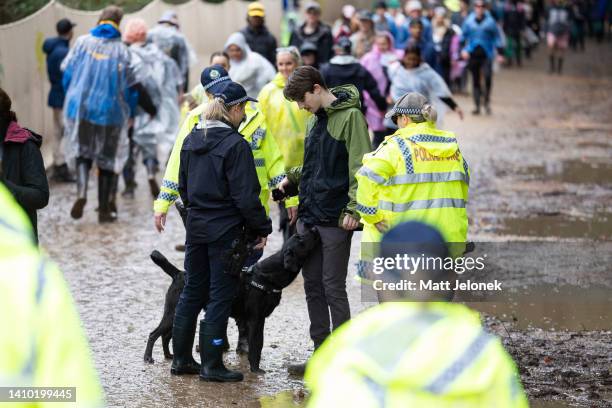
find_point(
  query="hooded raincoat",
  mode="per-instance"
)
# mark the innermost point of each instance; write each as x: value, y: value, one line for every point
x: 285, y: 120
x: 98, y: 72
x: 174, y: 44
x: 377, y: 63
x: 253, y: 71
x: 424, y: 80
x: 23, y: 170
x: 162, y: 79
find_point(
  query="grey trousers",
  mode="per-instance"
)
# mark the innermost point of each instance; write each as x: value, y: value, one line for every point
x: 325, y: 281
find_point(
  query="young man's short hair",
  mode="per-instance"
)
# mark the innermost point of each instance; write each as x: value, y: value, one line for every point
x: 301, y: 81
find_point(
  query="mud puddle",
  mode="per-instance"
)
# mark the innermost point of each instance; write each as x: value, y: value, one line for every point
x: 588, y: 171
x: 557, y: 224
x: 553, y: 308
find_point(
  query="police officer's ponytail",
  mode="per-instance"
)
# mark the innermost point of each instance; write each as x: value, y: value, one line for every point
x: 216, y: 110
x: 429, y: 113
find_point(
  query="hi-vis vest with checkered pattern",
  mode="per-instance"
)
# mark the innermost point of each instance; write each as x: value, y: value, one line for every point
x: 417, y: 174
x: 268, y: 158
x: 413, y: 354
x: 42, y: 343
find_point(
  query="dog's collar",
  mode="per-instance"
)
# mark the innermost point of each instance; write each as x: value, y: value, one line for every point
x: 263, y: 287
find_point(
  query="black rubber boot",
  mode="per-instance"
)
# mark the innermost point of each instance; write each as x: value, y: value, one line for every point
x: 62, y: 174
x: 105, y: 187
x: 551, y: 60
x: 112, y: 202
x: 476, y: 110
x: 82, y: 170
x: 183, y: 333
x: 211, y: 352
x: 151, y: 166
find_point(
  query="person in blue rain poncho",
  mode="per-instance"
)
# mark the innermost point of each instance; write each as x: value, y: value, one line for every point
x: 97, y: 76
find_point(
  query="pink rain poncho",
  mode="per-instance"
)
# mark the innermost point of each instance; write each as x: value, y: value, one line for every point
x: 377, y: 63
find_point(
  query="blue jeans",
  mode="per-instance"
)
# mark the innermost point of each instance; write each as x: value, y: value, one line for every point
x: 207, y: 286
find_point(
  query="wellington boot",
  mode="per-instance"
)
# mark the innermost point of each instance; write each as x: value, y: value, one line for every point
x: 183, y: 333
x: 105, y: 187
x: 211, y: 352
x: 82, y: 171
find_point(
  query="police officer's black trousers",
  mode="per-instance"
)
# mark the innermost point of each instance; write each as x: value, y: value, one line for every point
x: 206, y: 283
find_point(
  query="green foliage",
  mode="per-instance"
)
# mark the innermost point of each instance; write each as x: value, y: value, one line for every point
x: 13, y: 10
x: 129, y: 6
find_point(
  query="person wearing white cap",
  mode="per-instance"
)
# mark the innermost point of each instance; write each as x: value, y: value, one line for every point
x: 343, y: 27
x: 443, y: 35
x: 256, y: 33
x: 169, y: 39
x: 414, y: 11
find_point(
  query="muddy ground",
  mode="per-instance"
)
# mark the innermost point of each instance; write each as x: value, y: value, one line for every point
x: 540, y: 173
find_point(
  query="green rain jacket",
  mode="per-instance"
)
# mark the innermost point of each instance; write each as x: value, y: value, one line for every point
x: 336, y: 140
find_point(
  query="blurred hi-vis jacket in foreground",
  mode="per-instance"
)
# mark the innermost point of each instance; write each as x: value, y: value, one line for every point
x: 410, y: 354
x: 42, y: 343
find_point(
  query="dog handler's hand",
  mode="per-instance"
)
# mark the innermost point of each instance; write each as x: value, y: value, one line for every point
x: 283, y: 184
x: 292, y: 213
x: 349, y: 223
x: 261, y: 243
x: 160, y: 221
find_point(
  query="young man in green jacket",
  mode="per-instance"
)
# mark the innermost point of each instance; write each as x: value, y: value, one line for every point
x: 336, y: 140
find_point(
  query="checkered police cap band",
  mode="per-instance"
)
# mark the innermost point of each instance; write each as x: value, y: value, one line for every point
x: 237, y: 101
x: 408, y: 111
x: 215, y: 82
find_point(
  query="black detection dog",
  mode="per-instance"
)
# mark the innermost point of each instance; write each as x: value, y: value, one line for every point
x: 260, y: 292
x: 164, y: 329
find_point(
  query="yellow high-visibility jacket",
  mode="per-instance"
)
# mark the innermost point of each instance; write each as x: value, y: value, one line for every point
x: 410, y: 354
x: 416, y: 174
x: 268, y: 159
x: 42, y: 342
x: 285, y: 120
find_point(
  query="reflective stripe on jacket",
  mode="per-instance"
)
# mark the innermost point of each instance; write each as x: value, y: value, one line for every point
x: 268, y: 159
x: 417, y: 174
x: 404, y: 354
x: 44, y: 345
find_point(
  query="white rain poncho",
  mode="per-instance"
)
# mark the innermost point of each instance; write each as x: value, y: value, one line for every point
x: 174, y: 44
x: 162, y: 80
x: 98, y: 72
x: 254, y: 71
x: 423, y: 80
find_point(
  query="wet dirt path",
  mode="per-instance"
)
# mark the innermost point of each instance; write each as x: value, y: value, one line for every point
x: 534, y: 175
